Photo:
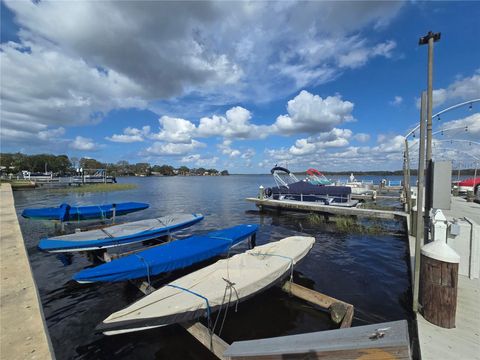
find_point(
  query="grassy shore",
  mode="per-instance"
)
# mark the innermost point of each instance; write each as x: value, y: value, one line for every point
x: 96, y: 188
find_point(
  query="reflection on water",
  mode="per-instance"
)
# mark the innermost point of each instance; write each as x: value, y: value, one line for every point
x: 369, y: 271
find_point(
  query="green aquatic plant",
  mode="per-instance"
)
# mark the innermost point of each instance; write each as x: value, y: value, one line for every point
x: 316, y: 219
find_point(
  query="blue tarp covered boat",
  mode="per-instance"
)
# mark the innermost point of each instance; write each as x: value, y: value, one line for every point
x: 171, y: 256
x: 118, y: 235
x: 66, y: 212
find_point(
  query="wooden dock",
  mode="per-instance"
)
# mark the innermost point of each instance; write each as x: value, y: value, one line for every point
x: 23, y: 332
x: 305, y: 206
x: 463, y: 341
x: 379, y: 341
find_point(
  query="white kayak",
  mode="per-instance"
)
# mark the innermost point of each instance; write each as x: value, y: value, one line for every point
x: 202, y: 292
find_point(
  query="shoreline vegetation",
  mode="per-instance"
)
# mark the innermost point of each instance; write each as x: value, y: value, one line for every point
x: 61, y: 165
x: 95, y: 188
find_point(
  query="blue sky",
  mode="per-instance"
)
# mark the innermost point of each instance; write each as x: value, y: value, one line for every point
x: 235, y: 85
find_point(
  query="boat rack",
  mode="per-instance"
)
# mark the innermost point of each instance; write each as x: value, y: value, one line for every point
x: 340, y: 312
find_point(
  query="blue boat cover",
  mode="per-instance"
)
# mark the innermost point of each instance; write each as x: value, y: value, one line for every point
x: 66, y: 212
x: 171, y: 256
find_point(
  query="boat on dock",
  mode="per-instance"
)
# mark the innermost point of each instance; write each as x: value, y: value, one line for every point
x: 118, y: 235
x: 66, y: 212
x: 207, y: 290
x: 167, y: 257
x: 364, y: 187
x: 289, y: 187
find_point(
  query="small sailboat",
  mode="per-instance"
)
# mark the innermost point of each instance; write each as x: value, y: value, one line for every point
x: 66, y: 212
x: 202, y: 292
x: 167, y: 257
x: 118, y: 235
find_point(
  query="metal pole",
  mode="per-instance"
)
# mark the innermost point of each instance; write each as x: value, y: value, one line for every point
x: 419, y: 234
x: 407, y: 182
x: 429, y: 39
x: 405, y: 189
x: 430, y: 98
x: 428, y: 154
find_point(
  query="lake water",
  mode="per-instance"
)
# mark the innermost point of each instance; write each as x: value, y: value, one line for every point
x: 369, y: 271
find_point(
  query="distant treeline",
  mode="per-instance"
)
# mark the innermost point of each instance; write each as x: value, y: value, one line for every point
x: 63, y: 165
x: 390, y: 173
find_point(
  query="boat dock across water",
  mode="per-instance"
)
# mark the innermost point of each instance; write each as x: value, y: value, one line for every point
x: 317, y: 207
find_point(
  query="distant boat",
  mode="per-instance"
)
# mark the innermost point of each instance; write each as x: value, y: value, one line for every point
x: 66, y: 212
x: 207, y: 290
x: 118, y: 235
x: 99, y: 177
x: 290, y: 188
x: 358, y: 187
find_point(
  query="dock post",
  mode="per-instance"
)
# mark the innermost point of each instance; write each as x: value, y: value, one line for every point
x: 421, y: 178
x: 114, y: 212
x: 408, y: 195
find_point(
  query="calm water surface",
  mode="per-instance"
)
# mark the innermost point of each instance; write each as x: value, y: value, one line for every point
x: 369, y: 271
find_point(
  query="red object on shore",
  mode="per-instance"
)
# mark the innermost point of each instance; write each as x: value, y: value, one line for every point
x: 470, y: 182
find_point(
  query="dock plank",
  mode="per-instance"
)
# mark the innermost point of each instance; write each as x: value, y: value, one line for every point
x: 293, y: 205
x: 351, y: 343
x: 463, y: 341
x: 23, y: 332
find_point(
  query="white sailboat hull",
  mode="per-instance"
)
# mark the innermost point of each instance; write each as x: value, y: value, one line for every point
x: 186, y: 298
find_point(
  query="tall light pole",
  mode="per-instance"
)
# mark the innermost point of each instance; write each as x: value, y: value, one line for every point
x: 419, y: 234
x: 429, y: 39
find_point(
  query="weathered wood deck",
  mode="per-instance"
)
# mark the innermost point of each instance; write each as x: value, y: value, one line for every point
x: 306, y: 206
x: 379, y: 341
x: 23, y: 331
x: 462, y: 342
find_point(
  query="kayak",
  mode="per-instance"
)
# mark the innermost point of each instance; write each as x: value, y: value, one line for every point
x: 66, y: 212
x: 168, y: 257
x: 118, y: 235
x: 202, y: 292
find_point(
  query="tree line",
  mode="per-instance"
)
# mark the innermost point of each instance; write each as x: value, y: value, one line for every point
x: 63, y: 165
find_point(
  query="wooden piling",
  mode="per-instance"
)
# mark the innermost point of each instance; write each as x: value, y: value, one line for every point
x: 438, y: 291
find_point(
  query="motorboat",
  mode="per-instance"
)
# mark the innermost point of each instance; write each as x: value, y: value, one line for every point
x: 289, y: 187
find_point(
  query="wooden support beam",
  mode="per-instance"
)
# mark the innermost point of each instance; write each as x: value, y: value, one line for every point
x: 347, y: 319
x: 343, y: 314
x: 200, y: 332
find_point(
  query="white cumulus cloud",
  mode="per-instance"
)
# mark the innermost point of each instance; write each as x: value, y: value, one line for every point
x: 130, y: 135
x: 83, y: 144
x: 311, y: 113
